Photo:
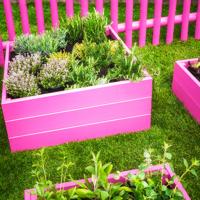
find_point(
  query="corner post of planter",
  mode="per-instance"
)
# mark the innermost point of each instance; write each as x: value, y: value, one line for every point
x: 54, y: 13
x: 9, y: 19
x: 69, y: 8
x: 129, y: 19
x: 84, y: 7
x: 114, y: 15
x: 197, y: 29
x: 1, y: 53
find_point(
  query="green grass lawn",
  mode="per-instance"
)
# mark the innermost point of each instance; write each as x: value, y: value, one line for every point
x: 170, y: 121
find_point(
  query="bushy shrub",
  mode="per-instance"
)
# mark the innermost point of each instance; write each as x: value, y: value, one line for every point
x: 49, y: 42
x: 54, y: 74
x: 59, y: 55
x: 125, y: 67
x: 94, y: 27
x: 29, y: 63
x: 21, y: 84
x: 83, y: 75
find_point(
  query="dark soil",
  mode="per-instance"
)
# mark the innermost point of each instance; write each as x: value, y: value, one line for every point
x: 194, y: 71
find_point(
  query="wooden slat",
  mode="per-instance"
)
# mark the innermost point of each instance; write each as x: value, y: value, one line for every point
x: 54, y: 13
x: 9, y: 19
x: 99, y: 6
x: 69, y: 8
x: 170, y: 21
x: 24, y: 16
x: 39, y: 16
x: 157, y: 21
x: 185, y: 20
x: 84, y: 7
x: 143, y: 19
x: 197, y: 29
x: 114, y: 15
x: 1, y: 53
x: 129, y: 19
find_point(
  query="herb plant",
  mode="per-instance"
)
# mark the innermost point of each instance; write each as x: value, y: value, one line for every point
x: 141, y: 186
x: 194, y: 68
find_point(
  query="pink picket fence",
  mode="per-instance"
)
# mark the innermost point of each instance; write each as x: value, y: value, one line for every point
x: 127, y: 27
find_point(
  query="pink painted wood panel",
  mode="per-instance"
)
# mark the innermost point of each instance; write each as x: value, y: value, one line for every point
x: 54, y: 13
x: 185, y: 20
x: 80, y: 133
x: 143, y: 19
x: 197, y: 28
x: 24, y: 16
x: 114, y: 14
x: 69, y: 8
x: 187, y: 88
x: 39, y: 16
x: 129, y: 19
x: 9, y: 19
x: 157, y: 21
x: 84, y: 7
x: 171, y: 21
x: 1, y: 53
x: 99, y: 6
x: 165, y: 169
x: 68, y: 100
x: 135, y: 107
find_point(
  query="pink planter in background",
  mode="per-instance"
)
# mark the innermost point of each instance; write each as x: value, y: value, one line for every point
x: 28, y: 194
x: 187, y: 88
x: 78, y: 114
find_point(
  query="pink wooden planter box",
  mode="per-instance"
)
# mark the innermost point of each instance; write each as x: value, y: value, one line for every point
x: 187, y: 88
x: 28, y: 194
x: 78, y: 114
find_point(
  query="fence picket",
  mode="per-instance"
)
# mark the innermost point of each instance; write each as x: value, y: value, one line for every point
x: 185, y: 20
x: 39, y: 16
x: 197, y: 29
x: 1, y: 53
x: 157, y: 21
x: 69, y: 8
x: 9, y: 19
x: 170, y: 21
x: 84, y: 7
x: 24, y: 16
x: 143, y: 18
x: 129, y: 19
x: 114, y: 15
x: 54, y: 13
x: 99, y: 6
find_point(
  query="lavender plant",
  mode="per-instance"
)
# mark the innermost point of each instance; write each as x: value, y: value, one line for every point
x: 54, y: 74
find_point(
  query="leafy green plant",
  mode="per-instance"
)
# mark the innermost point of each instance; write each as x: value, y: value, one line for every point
x: 59, y: 55
x: 126, y: 67
x: 49, y: 42
x: 21, y: 84
x: 54, y: 74
x: 82, y: 75
x: 140, y: 186
x: 94, y: 27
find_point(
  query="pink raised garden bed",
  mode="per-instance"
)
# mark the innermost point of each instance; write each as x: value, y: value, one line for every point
x: 187, y: 88
x: 78, y: 114
x: 28, y: 194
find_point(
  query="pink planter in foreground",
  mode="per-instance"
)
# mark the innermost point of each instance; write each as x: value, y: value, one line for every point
x: 78, y: 114
x: 28, y: 194
x: 187, y: 88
